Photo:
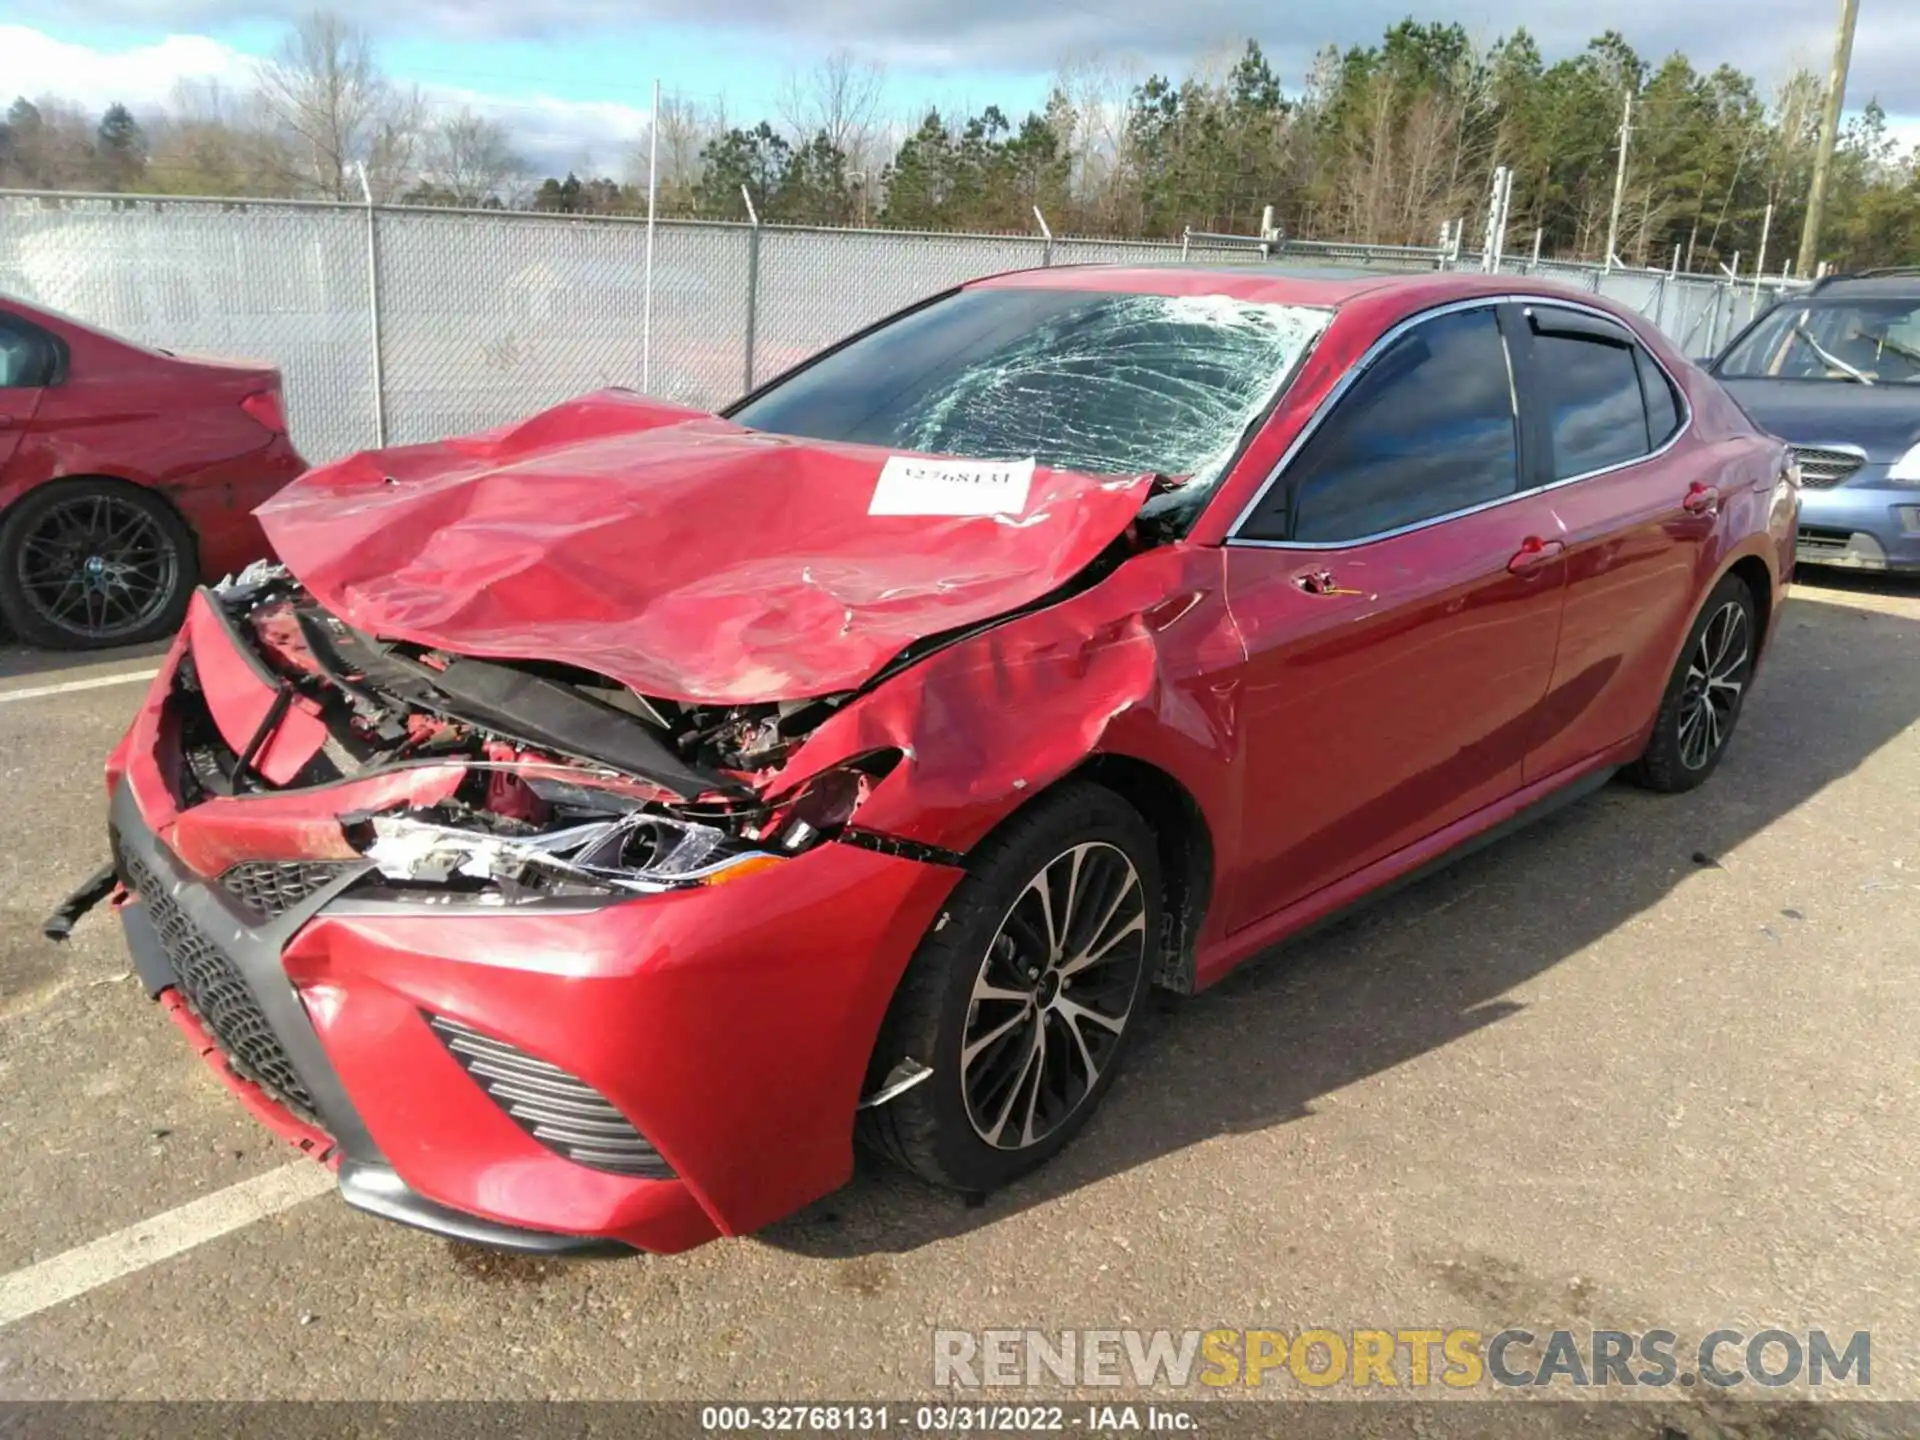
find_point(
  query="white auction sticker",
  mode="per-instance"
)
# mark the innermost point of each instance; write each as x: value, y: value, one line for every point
x: 915, y: 485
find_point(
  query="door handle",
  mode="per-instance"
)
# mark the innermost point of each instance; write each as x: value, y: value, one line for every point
x: 1533, y: 553
x: 5, y: 421
x: 1321, y: 582
x: 1701, y: 499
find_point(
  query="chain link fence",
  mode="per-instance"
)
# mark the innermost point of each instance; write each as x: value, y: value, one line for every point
x: 397, y: 325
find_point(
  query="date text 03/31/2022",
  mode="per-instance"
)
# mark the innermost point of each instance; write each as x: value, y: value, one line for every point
x: 945, y: 1418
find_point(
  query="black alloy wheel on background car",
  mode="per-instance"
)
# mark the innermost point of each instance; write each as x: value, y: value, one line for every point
x: 86, y: 564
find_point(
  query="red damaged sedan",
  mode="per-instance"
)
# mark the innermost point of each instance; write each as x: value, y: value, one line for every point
x: 598, y: 821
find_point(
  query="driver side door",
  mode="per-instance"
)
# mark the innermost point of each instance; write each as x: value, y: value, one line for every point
x: 1398, y: 589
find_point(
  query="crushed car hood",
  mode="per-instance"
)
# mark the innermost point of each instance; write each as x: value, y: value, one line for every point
x: 675, y: 552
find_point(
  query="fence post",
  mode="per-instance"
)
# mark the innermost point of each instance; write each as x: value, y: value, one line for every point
x: 753, y: 282
x: 373, y: 308
x: 1046, y: 243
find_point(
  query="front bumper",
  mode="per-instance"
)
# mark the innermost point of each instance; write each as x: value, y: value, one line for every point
x: 732, y: 1027
x: 1865, y: 523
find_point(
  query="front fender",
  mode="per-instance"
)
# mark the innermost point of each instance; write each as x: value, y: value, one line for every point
x: 1124, y: 667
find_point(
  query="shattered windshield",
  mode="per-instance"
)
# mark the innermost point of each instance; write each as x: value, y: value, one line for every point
x: 1851, y: 342
x: 1077, y: 379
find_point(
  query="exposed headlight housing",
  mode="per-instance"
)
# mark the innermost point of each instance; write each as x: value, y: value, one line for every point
x: 1906, y: 470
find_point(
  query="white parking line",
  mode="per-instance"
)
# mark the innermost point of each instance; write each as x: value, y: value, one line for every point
x: 87, y: 1267
x: 37, y: 692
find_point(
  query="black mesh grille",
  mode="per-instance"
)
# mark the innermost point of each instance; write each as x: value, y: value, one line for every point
x: 565, y: 1114
x: 212, y: 985
x: 270, y: 888
x: 1822, y: 468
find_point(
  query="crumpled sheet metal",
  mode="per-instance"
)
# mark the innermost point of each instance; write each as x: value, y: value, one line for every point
x: 680, y: 554
x: 1129, y: 667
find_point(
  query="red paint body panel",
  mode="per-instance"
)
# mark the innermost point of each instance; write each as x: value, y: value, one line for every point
x: 1330, y: 742
x: 164, y: 422
x: 1372, y: 719
x: 241, y: 695
x: 732, y: 1026
x: 683, y: 555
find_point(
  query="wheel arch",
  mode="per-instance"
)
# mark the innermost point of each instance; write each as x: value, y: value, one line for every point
x: 1758, y: 578
x: 1184, y: 841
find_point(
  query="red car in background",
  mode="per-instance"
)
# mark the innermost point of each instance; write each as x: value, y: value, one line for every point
x: 126, y: 476
x: 596, y: 821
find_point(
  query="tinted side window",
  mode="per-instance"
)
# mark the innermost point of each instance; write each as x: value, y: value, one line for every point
x: 1590, y: 390
x: 1426, y: 431
x: 1663, y: 406
x: 26, y: 356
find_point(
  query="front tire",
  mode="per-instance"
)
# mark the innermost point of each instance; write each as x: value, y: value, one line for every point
x: 91, y: 563
x: 1025, y: 994
x: 1704, y: 696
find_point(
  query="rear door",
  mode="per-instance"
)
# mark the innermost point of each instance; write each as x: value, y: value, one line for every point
x: 1607, y: 419
x: 1399, y: 597
x: 28, y: 359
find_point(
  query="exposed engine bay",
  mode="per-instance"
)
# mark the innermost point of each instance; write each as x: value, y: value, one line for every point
x: 574, y: 785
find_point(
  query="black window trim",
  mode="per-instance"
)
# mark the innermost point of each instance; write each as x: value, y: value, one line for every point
x: 1528, y: 467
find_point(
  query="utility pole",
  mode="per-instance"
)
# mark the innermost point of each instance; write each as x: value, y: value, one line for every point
x: 1829, y: 134
x: 1620, y: 178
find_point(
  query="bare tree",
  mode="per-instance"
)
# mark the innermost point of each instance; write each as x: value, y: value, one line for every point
x: 1096, y: 94
x: 838, y: 98
x: 468, y: 159
x: 209, y: 142
x: 324, y: 89
x: 685, y: 130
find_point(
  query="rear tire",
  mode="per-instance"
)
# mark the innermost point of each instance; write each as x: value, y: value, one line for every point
x: 85, y: 564
x: 1704, y: 696
x: 1024, y: 996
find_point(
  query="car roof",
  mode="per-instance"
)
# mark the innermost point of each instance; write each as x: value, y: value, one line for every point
x: 1894, y: 285
x: 1279, y: 285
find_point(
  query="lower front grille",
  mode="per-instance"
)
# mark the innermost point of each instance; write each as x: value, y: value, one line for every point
x: 563, y: 1113
x: 1822, y: 467
x: 270, y: 888
x: 1813, y: 539
x: 213, y: 986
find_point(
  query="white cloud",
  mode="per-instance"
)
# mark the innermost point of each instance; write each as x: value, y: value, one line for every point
x: 1763, y: 37
x: 590, y: 137
x: 554, y: 135
x: 33, y: 64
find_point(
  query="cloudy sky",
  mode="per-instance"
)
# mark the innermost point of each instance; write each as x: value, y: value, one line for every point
x: 572, y: 77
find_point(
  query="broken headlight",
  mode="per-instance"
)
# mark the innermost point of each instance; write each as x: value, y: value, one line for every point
x: 591, y: 842
x: 637, y: 853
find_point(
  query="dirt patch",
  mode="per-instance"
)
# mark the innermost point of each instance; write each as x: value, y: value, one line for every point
x: 32, y: 968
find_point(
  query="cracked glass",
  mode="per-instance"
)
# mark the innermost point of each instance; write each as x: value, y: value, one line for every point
x: 1081, y: 380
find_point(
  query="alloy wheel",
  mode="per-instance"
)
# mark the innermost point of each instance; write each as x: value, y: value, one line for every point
x: 1716, y: 676
x: 1053, y: 995
x: 98, y: 566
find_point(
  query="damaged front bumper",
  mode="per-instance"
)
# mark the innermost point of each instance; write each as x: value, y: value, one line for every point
x: 249, y: 1022
x: 564, y: 1071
